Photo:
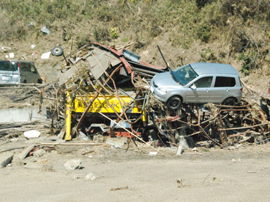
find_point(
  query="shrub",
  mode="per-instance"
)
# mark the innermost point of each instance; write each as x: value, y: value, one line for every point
x: 203, y: 33
x: 249, y: 62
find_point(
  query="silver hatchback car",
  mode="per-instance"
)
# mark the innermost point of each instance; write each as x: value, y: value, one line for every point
x: 198, y: 83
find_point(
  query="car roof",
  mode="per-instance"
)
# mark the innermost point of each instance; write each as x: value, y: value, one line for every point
x: 16, y: 61
x: 213, y: 68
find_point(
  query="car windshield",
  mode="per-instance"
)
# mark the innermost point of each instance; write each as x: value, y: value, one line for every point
x: 8, y: 66
x: 184, y: 75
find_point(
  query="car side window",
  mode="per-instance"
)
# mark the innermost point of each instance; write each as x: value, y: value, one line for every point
x: 225, y: 81
x: 33, y: 69
x: 25, y: 67
x: 204, y: 82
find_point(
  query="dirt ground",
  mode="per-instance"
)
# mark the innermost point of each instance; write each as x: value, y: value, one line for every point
x: 232, y: 174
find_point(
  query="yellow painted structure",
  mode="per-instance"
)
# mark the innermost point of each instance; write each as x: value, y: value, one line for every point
x: 100, y: 104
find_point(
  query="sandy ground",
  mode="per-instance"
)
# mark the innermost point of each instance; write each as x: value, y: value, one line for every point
x: 207, y: 175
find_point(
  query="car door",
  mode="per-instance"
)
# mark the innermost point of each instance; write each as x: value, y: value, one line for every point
x: 198, y: 91
x: 223, y: 88
x: 28, y: 73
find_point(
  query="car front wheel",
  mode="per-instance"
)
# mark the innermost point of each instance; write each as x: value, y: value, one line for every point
x: 174, y: 102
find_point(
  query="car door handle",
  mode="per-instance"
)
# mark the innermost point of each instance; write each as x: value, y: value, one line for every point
x: 227, y: 90
x: 207, y: 91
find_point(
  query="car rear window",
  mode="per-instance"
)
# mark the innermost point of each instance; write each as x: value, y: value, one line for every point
x: 8, y: 66
x: 224, y: 81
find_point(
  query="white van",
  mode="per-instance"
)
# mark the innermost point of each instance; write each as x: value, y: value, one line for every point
x: 16, y: 72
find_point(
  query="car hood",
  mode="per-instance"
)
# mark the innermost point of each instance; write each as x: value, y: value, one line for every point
x: 165, y: 80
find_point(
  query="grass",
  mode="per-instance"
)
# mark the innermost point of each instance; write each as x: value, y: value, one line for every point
x: 185, y: 22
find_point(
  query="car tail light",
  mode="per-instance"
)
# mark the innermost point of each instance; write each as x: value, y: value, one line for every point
x: 241, y: 89
x: 19, y: 67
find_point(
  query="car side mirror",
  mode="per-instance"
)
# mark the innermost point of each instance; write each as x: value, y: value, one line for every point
x: 193, y: 87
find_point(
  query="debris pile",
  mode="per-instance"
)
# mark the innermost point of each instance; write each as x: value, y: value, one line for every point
x: 105, y: 91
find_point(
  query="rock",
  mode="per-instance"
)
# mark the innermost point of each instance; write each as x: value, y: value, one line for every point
x: 99, y: 138
x: 25, y: 152
x: 90, y: 176
x: 39, y: 153
x: 82, y: 136
x: 117, y: 142
x: 5, y: 159
x: 73, y: 164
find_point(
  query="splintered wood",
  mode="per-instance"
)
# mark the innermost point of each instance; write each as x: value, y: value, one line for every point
x: 222, y: 125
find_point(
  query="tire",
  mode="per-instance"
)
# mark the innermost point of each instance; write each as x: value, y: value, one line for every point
x: 57, y: 51
x: 39, y: 81
x: 229, y: 101
x: 150, y: 131
x: 174, y: 102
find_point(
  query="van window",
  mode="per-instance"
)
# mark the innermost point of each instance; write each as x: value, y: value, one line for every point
x: 25, y: 67
x: 224, y: 81
x: 8, y: 66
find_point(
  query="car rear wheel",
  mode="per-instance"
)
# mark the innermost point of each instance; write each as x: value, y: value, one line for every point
x: 229, y: 101
x: 174, y: 102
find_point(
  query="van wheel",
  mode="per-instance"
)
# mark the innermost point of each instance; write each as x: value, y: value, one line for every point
x: 57, y: 51
x: 229, y: 101
x: 174, y: 102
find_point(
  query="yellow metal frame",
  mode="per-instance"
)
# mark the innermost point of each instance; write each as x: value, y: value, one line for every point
x: 100, y: 104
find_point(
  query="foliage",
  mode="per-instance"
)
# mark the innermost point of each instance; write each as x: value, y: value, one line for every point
x: 179, y: 22
x: 208, y: 55
x: 249, y: 62
x: 114, y: 33
x: 204, y: 33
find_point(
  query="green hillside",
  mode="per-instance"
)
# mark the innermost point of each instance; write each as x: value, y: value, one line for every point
x: 227, y: 31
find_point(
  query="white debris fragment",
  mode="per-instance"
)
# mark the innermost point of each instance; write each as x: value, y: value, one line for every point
x: 45, y: 56
x: 31, y: 133
x: 152, y: 153
x: 11, y: 55
x: 90, y: 176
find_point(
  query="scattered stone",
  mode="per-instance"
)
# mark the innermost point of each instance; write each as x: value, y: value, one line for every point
x: 73, y: 164
x: 82, y: 136
x: 39, y: 153
x: 118, y: 142
x: 99, y: 138
x: 26, y: 151
x: 5, y: 159
x: 90, y: 176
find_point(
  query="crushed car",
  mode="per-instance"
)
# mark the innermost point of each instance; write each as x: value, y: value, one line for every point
x: 198, y: 83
